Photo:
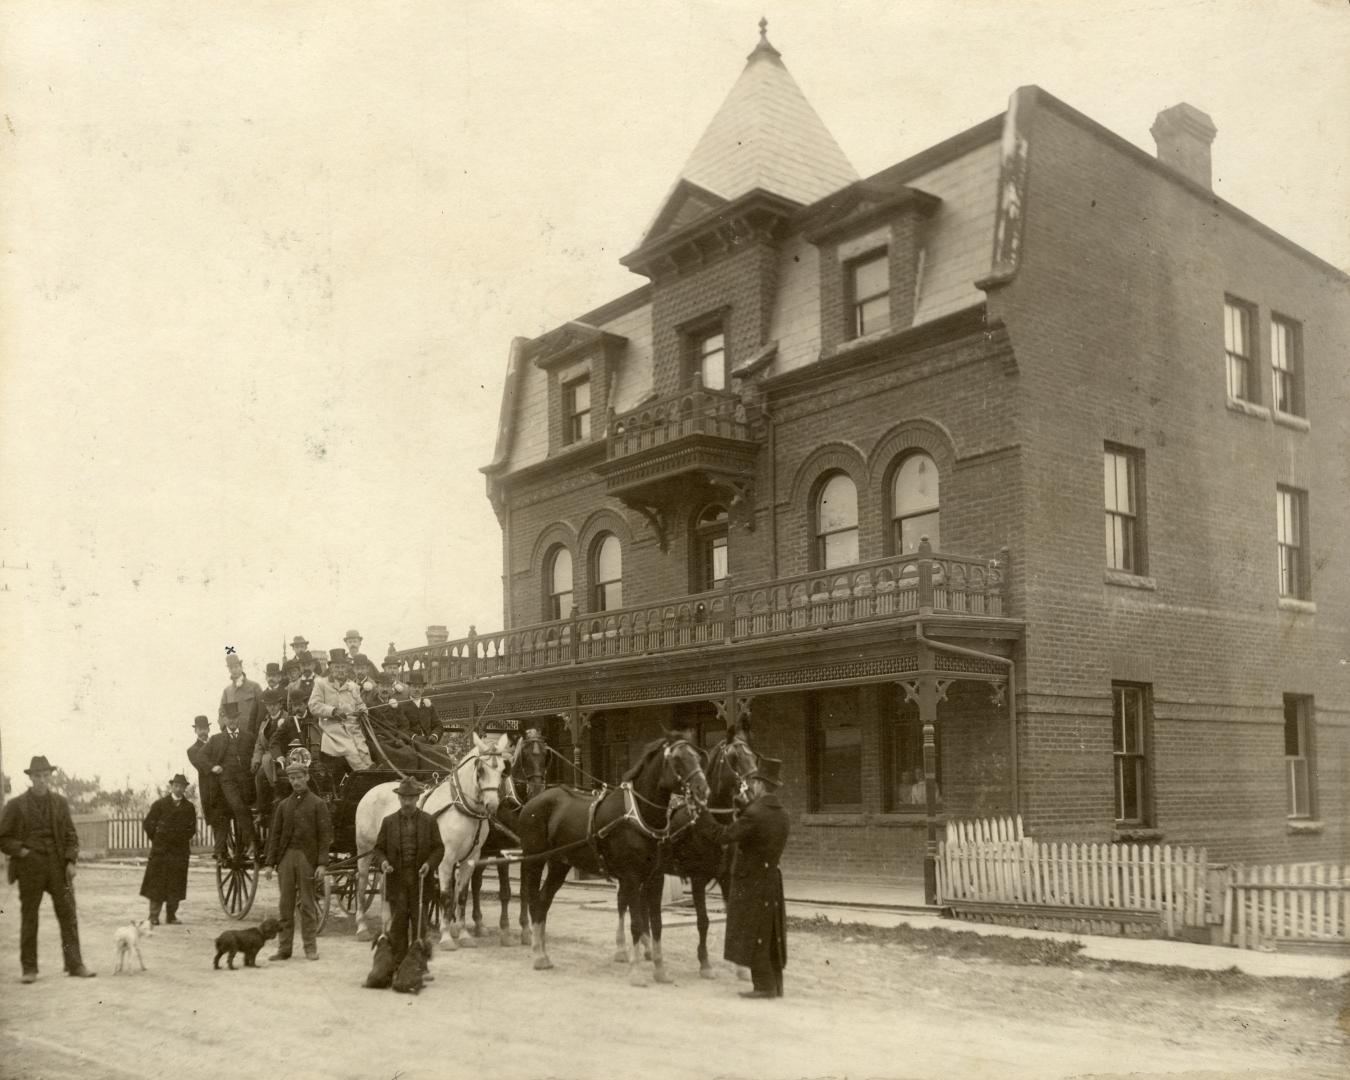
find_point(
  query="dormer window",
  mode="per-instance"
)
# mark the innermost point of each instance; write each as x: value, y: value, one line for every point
x: 870, y: 279
x: 576, y: 396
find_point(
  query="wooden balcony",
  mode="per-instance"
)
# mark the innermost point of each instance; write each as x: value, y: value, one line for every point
x: 928, y: 585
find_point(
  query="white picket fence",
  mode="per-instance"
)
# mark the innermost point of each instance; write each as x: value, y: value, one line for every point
x: 1303, y: 903
x: 992, y: 862
x: 126, y: 834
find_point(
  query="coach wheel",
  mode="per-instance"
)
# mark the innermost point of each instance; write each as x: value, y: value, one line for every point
x: 236, y: 875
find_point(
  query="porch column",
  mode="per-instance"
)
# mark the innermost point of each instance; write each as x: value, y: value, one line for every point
x: 928, y: 690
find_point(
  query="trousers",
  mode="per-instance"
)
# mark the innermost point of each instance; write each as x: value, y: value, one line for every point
x: 401, y: 890
x: 236, y: 805
x: 40, y: 873
x: 296, y: 879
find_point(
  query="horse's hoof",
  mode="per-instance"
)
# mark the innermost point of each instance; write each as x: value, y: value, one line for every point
x: 449, y: 944
x: 621, y: 956
x: 468, y: 943
x: 364, y: 934
x: 477, y: 929
x: 543, y: 963
x: 526, y: 938
x: 506, y: 939
x: 663, y: 978
x: 707, y: 973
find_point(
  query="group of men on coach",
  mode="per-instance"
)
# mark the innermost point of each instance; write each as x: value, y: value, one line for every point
x: 322, y: 705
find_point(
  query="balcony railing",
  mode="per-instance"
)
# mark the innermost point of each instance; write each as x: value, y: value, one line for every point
x: 695, y: 411
x: 849, y: 596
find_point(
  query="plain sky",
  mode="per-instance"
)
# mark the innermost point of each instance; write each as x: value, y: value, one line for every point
x: 263, y: 263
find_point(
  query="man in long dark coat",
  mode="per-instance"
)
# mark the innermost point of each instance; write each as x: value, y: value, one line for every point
x: 40, y: 839
x: 756, y: 934
x: 171, y: 825
x: 207, y: 790
x: 408, y: 851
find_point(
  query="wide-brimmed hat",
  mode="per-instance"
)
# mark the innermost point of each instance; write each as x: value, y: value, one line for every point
x: 409, y: 786
x: 770, y: 770
x: 201, y: 722
x: 39, y: 764
x: 178, y: 778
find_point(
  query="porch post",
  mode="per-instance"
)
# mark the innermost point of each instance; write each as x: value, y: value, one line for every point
x: 928, y: 698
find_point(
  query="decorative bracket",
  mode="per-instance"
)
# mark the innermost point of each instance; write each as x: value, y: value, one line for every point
x: 911, y: 688
x: 657, y: 517
x: 942, y: 685
x: 741, y: 506
x: 998, y: 694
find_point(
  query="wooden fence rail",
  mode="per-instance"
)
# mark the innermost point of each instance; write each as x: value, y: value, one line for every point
x: 1304, y: 903
x: 124, y: 834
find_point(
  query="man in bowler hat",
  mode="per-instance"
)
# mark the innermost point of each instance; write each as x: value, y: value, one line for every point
x: 207, y: 791
x: 408, y: 851
x: 756, y: 934
x: 38, y: 836
x: 170, y: 825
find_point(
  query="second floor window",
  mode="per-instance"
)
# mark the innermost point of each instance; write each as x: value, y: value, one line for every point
x: 914, y: 504
x: 710, y: 359
x: 711, y: 562
x: 1237, y: 346
x: 1298, y: 755
x: 577, y: 410
x: 1289, y: 542
x: 870, y: 283
x: 1122, y: 511
x: 607, y: 574
x: 1128, y: 723
x: 1285, y: 363
x: 559, y: 571
x: 837, y: 522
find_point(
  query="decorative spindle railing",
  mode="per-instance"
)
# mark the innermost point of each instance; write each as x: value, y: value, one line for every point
x: 918, y: 584
x: 695, y: 411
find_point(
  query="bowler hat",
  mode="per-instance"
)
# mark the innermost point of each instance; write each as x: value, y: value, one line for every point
x: 351, y: 635
x: 273, y: 695
x: 39, y: 764
x: 391, y: 661
x: 409, y: 786
x: 273, y: 668
x: 298, y: 642
x: 179, y: 778
x: 201, y: 722
x: 770, y: 770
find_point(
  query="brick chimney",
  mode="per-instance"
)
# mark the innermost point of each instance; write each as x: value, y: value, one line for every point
x: 1183, y: 134
x: 437, y: 635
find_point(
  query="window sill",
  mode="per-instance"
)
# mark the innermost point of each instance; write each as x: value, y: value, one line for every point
x: 1289, y: 420
x: 1131, y: 581
x: 1248, y: 407
x: 1137, y: 834
x: 1304, y: 826
x: 1302, y: 607
x: 889, y: 820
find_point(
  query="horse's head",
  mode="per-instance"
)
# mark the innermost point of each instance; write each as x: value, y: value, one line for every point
x: 530, y: 762
x: 682, y: 771
x: 733, y: 763
x: 489, y: 758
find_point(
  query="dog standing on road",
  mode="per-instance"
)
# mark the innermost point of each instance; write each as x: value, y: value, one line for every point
x: 127, y: 940
x: 249, y: 942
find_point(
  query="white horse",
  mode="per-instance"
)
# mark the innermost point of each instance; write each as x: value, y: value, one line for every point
x: 461, y: 804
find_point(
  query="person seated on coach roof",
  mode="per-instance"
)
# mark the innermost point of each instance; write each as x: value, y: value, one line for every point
x: 358, y: 659
x: 336, y: 702
x: 426, y: 721
x: 273, y: 676
x: 263, y: 760
x: 299, y: 646
x: 303, y: 682
x: 243, y: 693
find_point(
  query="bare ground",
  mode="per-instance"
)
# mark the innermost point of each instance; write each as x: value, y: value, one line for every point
x: 898, y: 1004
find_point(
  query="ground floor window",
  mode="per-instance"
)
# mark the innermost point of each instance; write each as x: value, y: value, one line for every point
x: 1129, y: 726
x: 1298, y: 755
x: 835, y: 761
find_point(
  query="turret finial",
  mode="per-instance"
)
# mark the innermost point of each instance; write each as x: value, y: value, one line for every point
x: 763, y: 48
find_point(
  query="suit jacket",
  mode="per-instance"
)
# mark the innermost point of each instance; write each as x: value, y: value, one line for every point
x: 14, y: 829
x: 430, y: 849
x: 206, y: 779
x: 315, y: 829
x: 756, y: 912
x: 249, y: 699
x: 234, y: 756
x: 325, y: 697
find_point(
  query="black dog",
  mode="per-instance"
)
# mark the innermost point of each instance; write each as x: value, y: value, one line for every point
x: 408, y: 979
x: 248, y: 942
x: 382, y: 966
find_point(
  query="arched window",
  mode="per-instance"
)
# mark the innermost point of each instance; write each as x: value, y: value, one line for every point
x: 607, y: 574
x: 558, y: 574
x: 914, y: 504
x: 837, y: 522
x: 710, y: 550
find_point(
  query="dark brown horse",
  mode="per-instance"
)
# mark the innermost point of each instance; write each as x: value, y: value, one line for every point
x: 529, y: 768
x: 617, y: 832
x: 693, y: 851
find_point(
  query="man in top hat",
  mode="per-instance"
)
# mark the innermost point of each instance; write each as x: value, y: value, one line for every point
x: 230, y: 753
x: 297, y: 848
x: 756, y: 934
x: 336, y: 702
x: 38, y: 836
x: 408, y: 850
x: 276, y: 679
x: 243, y: 693
x: 302, y: 683
x: 170, y: 825
x: 423, y: 713
x: 207, y: 789
x: 299, y: 645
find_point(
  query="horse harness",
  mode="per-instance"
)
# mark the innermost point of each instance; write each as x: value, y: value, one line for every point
x: 458, y: 800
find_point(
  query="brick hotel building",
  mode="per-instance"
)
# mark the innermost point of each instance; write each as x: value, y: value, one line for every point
x: 1006, y: 479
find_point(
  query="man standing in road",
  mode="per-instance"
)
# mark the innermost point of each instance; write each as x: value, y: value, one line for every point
x: 756, y: 935
x: 38, y: 836
x: 170, y: 825
x: 297, y: 849
x: 408, y: 850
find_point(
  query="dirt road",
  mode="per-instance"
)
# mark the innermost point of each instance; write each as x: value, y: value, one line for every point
x: 857, y: 1006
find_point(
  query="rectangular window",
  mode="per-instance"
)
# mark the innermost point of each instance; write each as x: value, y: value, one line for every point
x: 836, y: 761
x: 577, y: 410
x: 1129, y: 727
x: 1237, y: 345
x: 871, y: 285
x: 904, y: 789
x: 710, y: 356
x: 1290, y: 540
x: 1124, y: 540
x: 1298, y: 755
x: 1286, y: 364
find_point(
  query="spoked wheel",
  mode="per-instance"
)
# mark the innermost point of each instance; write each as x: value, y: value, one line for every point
x: 236, y: 875
x: 340, y: 889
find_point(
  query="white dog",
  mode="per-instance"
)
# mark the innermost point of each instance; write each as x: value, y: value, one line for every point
x: 127, y: 940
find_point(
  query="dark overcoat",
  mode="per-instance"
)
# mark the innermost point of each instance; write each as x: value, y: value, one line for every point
x: 171, y: 825
x: 430, y: 849
x: 206, y: 780
x: 756, y: 913
x: 14, y: 830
